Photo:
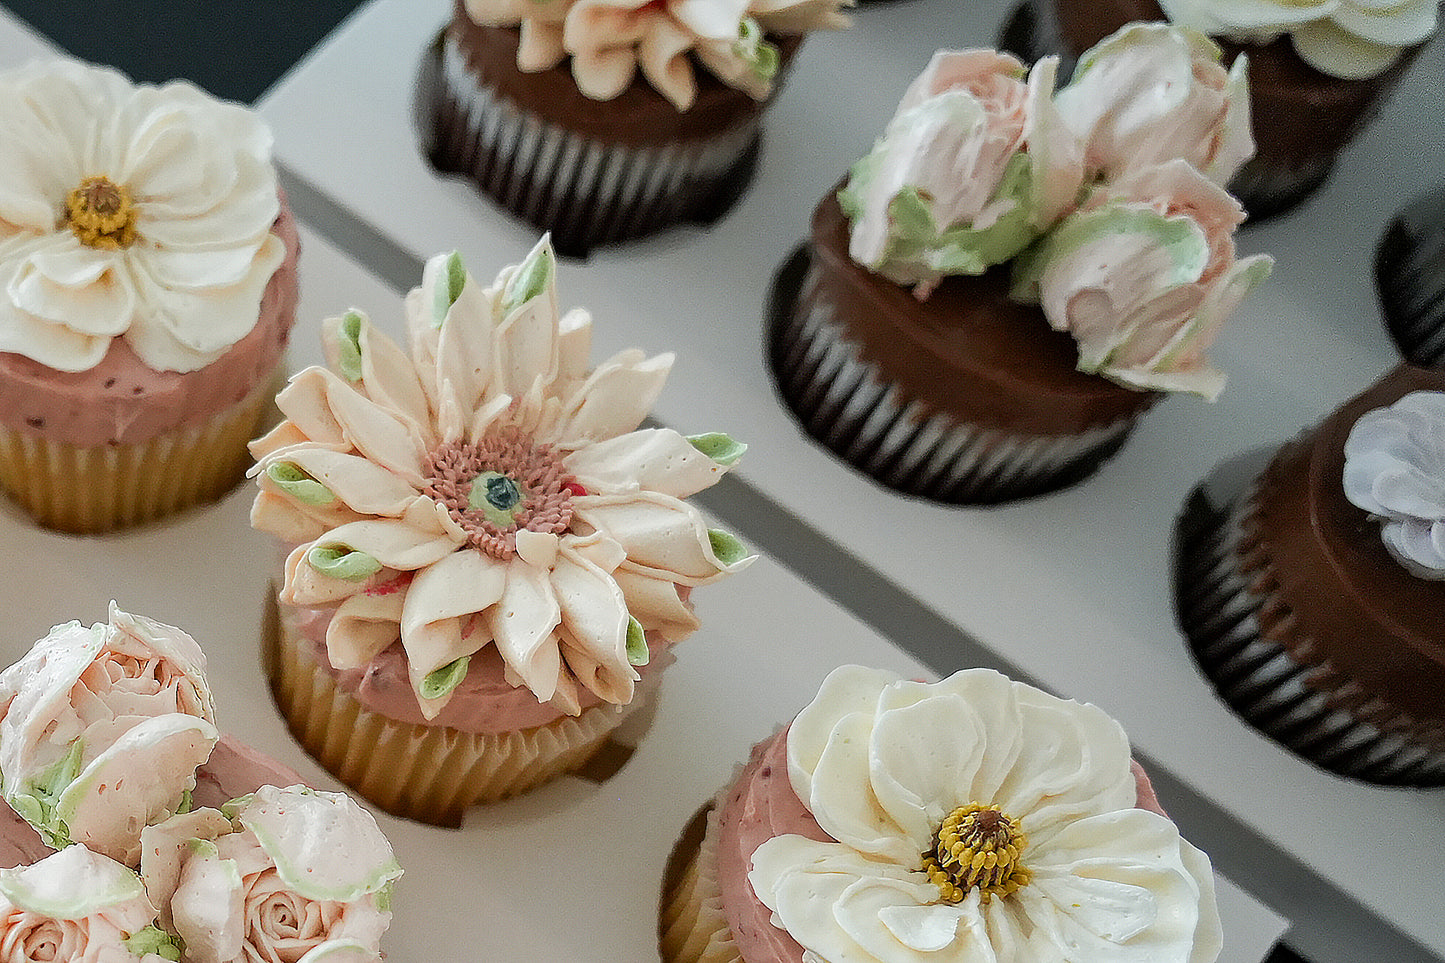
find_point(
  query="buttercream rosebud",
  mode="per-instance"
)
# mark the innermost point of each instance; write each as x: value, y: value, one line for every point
x: 1142, y: 276
x: 297, y: 875
x: 81, y: 907
x: 1151, y: 93
x: 86, y: 709
x: 972, y: 167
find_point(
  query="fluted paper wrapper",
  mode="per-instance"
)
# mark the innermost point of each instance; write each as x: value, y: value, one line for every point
x: 583, y: 190
x: 107, y: 487
x: 431, y: 774
x: 847, y: 403
x: 691, y: 926
x: 1222, y: 591
x: 1410, y: 279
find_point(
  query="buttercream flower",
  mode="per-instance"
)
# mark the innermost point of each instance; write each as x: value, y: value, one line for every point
x: 87, y: 708
x: 609, y: 40
x: 1344, y: 38
x: 1150, y: 93
x: 297, y: 876
x: 1395, y: 470
x: 131, y: 212
x: 976, y: 819
x: 1143, y: 275
x: 78, y: 906
x: 490, y: 490
x: 974, y: 164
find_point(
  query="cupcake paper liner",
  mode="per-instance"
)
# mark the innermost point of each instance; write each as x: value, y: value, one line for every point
x: 846, y: 402
x: 585, y: 191
x: 1224, y: 606
x: 106, y: 487
x: 691, y: 926
x: 1410, y: 278
x: 431, y: 774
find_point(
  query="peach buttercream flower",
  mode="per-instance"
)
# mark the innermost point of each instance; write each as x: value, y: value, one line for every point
x: 490, y: 490
x: 88, y: 708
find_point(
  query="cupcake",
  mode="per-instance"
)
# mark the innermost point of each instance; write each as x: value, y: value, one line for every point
x: 109, y: 757
x: 605, y: 120
x: 1410, y: 279
x: 994, y: 297
x: 489, y: 559
x: 1318, y: 71
x: 147, y: 288
x: 971, y: 818
x: 1312, y: 599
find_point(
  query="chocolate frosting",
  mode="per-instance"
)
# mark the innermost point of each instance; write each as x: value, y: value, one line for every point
x: 637, y: 117
x: 1298, y: 112
x: 1337, y: 599
x: 967, y: 350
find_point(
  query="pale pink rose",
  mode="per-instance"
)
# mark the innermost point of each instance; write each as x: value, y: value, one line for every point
x: 87, y: 706
x: 1152, y: 93
x: 1143, y: 276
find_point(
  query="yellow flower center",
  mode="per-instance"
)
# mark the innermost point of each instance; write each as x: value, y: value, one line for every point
x: 977, y: 846
x: 101, y: 213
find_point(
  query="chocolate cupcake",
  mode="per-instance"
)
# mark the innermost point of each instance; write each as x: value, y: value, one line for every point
x: 1410, y: 279
x: 1317, y: 72
x: 1312, y: 600
x: 601, y: 122
x: 961, y: 326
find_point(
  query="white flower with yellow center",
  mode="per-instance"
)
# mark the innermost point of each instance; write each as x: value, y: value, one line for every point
x: 132, y: 212
x: 976, y: 819
x: 490, y: 489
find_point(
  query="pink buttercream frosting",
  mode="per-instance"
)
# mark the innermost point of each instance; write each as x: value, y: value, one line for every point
x: 124, y: 401
x: 761, y: 804
x: 483, y: 702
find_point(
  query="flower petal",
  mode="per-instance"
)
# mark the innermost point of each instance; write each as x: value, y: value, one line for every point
x: 521, y: 623
x: 655, y: 603
x: 443, y: 597
x: 595, y: 617
x: 364, y: 486
x: 651, y: 459
x: 364, y: 625
x: 614, y: 400
x: 663, y: 536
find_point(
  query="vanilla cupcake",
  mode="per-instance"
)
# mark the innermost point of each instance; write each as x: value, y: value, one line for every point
x: 604, y: 120
x: 489, y: 558
x: 1009, y: 279
x: 967, y: 819
x: 147, y: 288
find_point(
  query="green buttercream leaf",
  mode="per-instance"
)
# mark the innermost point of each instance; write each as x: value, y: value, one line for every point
x: 530, y: 279
x: 750, y: 47
x: 450, y: 288
x: 232, y: 808
x: 348, y: 346
x: 339, y: 561
x: 441, y: 681
x: 292, y: 480
x: 637, y: 653
x: 383, y: 896
x: 720, y: 447
x: 910, y: 216
x: 850, y: 195
x: 38, y: 806
x: 726, y: 546
x: 186, y: 803
x: 153, y: 939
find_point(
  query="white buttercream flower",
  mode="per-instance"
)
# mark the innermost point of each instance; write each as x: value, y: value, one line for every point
x: 296, y: 875
x: 1143, y: 275
x: 1352, y: 39
x: 609, y: 40
x: 1150, y: 93
x: 78, y: 906
x: 1395, y: 470
x: 126, y: 211
x: 490, y: 489
x: 973, y: 165
x: 87, y: 708
x: 1037, y: 788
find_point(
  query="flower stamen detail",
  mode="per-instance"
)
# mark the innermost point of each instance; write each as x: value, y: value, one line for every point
x: 977, y: 846
x: 499, y: 485
x: 101, y: 214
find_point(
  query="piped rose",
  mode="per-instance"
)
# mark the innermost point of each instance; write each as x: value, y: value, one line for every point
x: 973, y: 166
x: 78, y: 906
x: 1142, y: 276
x: 1395, y: 470
x: 86, y: 712
x: 292, y: 875
x: 1352, y: 39
x: 1151, y: 93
